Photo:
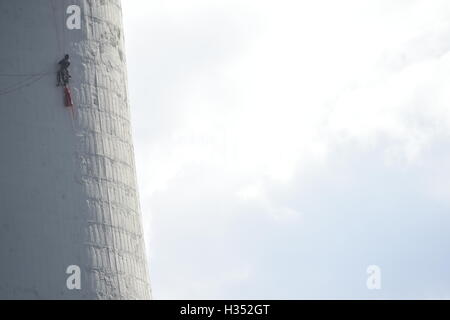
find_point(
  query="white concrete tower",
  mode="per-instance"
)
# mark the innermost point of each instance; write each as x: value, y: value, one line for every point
x: 70, y: 224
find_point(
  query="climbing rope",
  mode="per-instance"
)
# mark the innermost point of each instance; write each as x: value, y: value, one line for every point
x: 18, y: 75
x: 21, y: 84
x: 31, y: 78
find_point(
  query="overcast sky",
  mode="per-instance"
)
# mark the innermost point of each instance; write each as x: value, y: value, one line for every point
x: 282, y: 146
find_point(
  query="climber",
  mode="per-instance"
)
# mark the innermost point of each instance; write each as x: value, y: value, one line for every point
x: 63, y: 73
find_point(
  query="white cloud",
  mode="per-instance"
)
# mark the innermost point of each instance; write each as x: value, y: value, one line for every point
x: 241, y: 108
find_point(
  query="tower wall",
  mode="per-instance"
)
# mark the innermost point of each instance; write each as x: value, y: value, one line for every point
x: 68, y: 191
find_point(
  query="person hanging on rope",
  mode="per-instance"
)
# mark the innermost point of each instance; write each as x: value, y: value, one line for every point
x: 63, y: 73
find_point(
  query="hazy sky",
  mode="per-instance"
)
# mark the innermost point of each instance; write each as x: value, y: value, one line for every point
x: 283, y: 146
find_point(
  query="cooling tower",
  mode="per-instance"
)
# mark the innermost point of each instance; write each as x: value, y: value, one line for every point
x: 70, y: 224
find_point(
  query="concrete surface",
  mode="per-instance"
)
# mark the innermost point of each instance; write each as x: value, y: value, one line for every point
x: 68, y: 191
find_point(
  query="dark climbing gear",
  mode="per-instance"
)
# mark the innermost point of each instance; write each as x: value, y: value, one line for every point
x: 63, y: 73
